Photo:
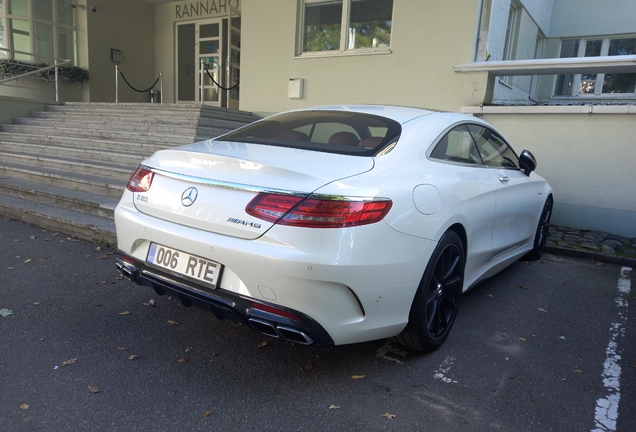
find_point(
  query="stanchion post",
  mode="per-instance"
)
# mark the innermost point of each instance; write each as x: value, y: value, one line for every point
x: 161, y: 86
x: 116, y: 83
x: 202, y: 71
x: 57, y: 90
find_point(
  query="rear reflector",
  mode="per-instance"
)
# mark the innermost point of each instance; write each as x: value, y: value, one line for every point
x: 275, y: 311
x: 140, y: 181
x: 337, y: 212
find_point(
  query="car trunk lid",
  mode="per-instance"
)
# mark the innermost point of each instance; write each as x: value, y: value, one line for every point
x: 208, y: 185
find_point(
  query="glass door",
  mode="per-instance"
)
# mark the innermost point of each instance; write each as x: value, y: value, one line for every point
x: 209, y: 53
x: 233, y: 61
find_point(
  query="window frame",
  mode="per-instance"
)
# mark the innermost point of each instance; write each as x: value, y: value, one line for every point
x: 575, y: 91
x: 344, y: 29
x: 36, y: 57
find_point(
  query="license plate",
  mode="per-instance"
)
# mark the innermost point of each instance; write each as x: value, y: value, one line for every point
x: 181, y: 264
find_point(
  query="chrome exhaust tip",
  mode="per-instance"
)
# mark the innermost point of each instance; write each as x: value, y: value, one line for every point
x: 293, y: 335
x: 264, y: 327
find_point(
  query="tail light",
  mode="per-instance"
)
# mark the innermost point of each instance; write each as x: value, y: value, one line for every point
x: 140, y: 181
x: 336, y: 212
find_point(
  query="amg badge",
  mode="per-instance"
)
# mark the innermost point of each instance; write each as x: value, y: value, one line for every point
x: 242, y: 222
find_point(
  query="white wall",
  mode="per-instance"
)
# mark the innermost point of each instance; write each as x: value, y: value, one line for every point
x: 588, y: 160
x: 127, y: 26
x: 428, y: 38
x: 572, y: 18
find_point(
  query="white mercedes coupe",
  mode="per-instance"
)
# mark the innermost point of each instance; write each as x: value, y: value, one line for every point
x: 335, y: 225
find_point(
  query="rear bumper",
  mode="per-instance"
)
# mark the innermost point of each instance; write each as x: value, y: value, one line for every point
x: 227, y: 305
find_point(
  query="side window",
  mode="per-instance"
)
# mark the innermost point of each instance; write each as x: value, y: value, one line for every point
x: 457, y: 146
x: 493, y: 149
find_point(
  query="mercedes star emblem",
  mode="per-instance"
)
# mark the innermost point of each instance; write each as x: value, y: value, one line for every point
x: 189, y: 196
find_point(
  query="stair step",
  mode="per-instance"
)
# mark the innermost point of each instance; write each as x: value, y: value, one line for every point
x: 140, y: 135
x: 144, y: 147
x: 139, y: 117
x: 86, y: 154
x: 97, y: 205
x: 69, y: 180
x: 105, y: 169
x: 88, y: 227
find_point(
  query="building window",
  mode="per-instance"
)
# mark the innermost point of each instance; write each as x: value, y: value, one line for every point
x: 596, y: 84
x: 345, y: 25
x: 41, y: 29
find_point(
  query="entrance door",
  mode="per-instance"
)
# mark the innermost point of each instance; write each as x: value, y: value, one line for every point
x: 217, y: 43
x: 199, y: 41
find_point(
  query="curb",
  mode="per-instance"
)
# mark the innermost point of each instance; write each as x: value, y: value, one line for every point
x: 577, y: 253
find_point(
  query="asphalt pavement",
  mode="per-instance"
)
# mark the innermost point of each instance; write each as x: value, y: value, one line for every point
x: 543, y: 346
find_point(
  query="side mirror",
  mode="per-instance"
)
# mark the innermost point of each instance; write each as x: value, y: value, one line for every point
x: 527, y: 162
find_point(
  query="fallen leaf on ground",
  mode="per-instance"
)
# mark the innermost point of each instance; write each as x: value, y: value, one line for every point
x: 93, y: 389
x: 357, y: 376
x: 578, y: 371
x: 133, y: 357
x: 599, y: 264
x: 5, y: 312
x: 541, y: 310
x: 207, y: 414
x: 334, y: 407
x: 29, y: 260
x: 183, y: 360
x: 124, y: 313
x: 98, y: 248
x: 72, y: 239
x: 172, y: 322
x: 122, y: 349
x: 36, y: 304
x: 523, y: 340
x: 69, y: 362
x: 262, y: 344
x: 523, y: 286
x: 463, y: 422
x: 24, y: 406
x: 489, y: 295
x: 33, y: 237
x: 389, y: 416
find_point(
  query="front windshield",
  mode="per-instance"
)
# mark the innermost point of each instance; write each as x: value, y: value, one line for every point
x: 326, y: 131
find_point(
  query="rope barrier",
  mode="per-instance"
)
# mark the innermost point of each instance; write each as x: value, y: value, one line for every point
x: 219, y: 85
x: 140, y: 91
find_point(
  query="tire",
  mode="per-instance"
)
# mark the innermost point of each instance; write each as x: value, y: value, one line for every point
x: 436, y: 301
x: 543, y: 230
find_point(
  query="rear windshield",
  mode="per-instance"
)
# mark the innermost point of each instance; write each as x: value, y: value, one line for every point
x: 326, y: 131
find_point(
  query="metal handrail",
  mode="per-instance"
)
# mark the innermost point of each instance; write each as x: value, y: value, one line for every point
x: 57, y: 62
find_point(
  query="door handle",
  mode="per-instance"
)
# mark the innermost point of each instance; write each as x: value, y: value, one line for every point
x: 504, y: 179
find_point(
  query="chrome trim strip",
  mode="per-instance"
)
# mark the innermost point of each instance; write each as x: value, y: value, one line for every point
x: 223, y: 184
x: 256, y: 189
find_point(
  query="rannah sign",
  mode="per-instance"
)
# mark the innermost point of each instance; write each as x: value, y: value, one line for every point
x: 205, y: 8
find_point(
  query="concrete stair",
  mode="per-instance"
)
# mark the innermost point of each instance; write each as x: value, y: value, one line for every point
x: 65, y: 168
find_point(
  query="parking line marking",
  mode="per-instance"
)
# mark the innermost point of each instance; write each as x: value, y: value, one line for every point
x: 607, y: 407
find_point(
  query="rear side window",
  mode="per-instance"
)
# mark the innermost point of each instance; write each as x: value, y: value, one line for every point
x: 457, y: 146
x: 494, y: 150
x: 326, y: 131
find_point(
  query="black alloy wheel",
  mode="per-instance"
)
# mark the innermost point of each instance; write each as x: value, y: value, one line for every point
x: 436, y: 302
x: 543, y: 231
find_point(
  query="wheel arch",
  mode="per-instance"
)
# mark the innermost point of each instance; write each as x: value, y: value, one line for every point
x: 459, y: 229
